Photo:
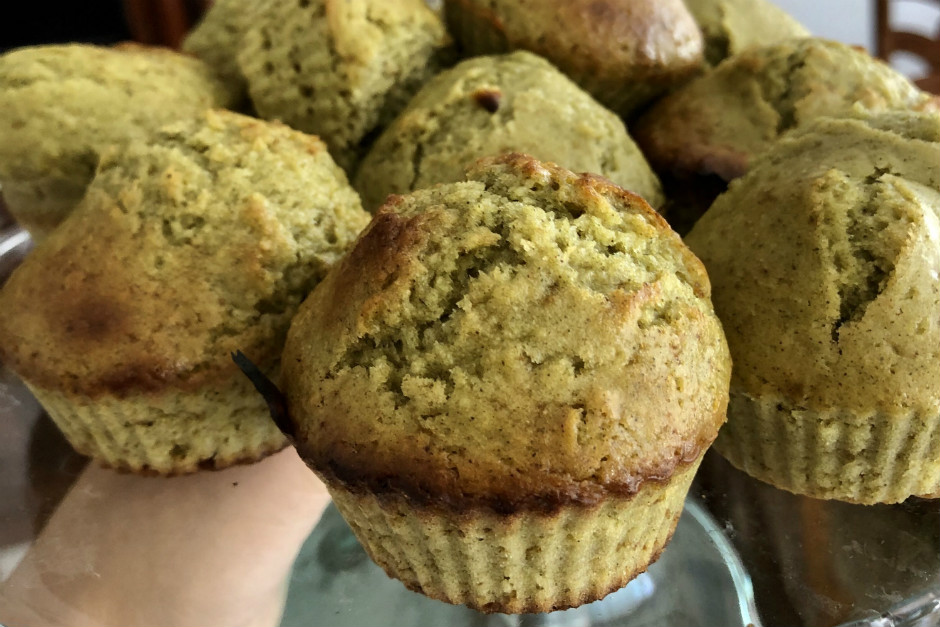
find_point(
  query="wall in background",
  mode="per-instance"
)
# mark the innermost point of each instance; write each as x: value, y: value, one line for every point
x: 849, y: 21
x: 853, y: 22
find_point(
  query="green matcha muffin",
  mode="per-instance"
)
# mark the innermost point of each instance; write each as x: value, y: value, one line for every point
x: 197, y: 242
x: 719, y: 122
x: 624, y: 52
x: 339, y: 68
x: 705, y: 134
x: 61, y: 105
x: 824, y: 262
x: 730, y: 26
x: 507, y: 386
x: 217, y: 38
x: 490, y: 105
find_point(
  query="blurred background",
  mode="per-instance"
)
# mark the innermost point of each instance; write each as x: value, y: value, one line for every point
x: 906, y: 32
x: 100, y: 22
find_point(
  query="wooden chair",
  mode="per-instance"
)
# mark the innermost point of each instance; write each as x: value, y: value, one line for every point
x: 890, y: 41
x: 162, y: 22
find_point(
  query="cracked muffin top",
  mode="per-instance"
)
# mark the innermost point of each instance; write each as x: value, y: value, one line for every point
x: 521, y: 339
x: 199, y: 242
x: 824, y: 260
x: 719, y: 122
x: 491, y: 105
x: 339, y: 68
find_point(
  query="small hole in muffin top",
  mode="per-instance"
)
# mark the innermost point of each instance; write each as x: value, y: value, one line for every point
x: 488, y: 99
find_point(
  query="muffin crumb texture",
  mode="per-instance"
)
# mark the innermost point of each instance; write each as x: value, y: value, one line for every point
x: 61, y: 106
x: 441, y: 323
x: 339, y: 69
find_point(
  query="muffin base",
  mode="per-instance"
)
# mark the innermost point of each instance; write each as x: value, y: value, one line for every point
x: 526, y: 561
x: 836, y: 454
x: 171, y: 434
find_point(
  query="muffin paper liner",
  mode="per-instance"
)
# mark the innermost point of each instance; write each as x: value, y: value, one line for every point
x: 526, y: 561
x: 169, y: 434
x: 835, y: 454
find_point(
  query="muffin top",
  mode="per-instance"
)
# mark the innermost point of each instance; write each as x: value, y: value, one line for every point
x: 490, y: 105
x: 339, y: 68
x: 730, y: 26
x: 197, y: 242
x: 527, y: 338
x: 60, y: 105
x: 824, y: 260
x: 218, y: 36
x: 719, y: 122
x: 624, y: 52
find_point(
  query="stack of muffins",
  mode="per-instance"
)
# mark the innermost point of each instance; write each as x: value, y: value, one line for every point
x: 508, y: 377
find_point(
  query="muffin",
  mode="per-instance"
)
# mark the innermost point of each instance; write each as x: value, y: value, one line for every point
x: 198, y: 242
x: 824, y: 262
x: 490, y: 105
x: 508, y: 384
x: 217, y: 38
x: 339, y: 69
x: 707, y: 132
x: 624, y: 52
x: 61, y: 105
x: 730, y: 26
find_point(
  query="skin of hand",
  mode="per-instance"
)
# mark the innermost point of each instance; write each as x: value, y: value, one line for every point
x: 212, y: 548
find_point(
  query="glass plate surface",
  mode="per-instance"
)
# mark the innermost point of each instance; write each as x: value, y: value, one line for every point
x: 698, y: 581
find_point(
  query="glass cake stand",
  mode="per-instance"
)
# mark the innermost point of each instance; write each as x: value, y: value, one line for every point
x: 698, y: 580
x: 744, y: 553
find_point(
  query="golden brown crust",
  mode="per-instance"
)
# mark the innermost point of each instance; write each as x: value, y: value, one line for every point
x: 528, y: 338
x: 610, y: 47
x: 182, y: 251
x: 79, y: 313
x: 646, y: 37
x: 542, y: 494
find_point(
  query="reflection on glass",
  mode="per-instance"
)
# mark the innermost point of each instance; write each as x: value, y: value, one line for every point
x: 699, y: 580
